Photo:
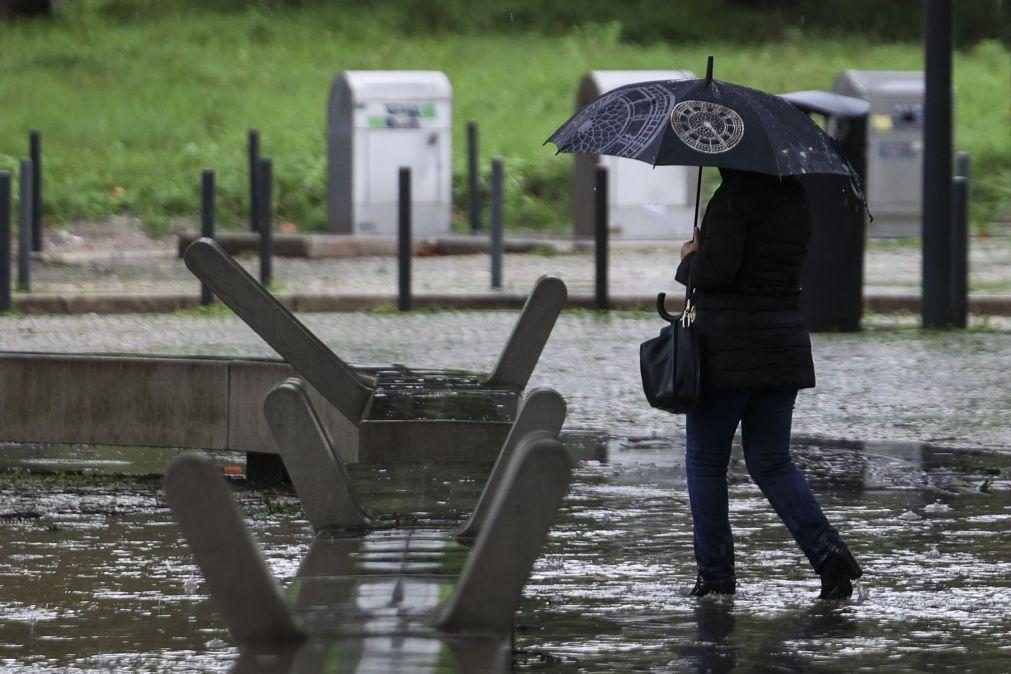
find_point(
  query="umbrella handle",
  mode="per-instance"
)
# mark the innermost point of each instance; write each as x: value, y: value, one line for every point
x: 662, y: 310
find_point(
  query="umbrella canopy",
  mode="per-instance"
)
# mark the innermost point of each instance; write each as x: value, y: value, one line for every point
x: 702, y: 122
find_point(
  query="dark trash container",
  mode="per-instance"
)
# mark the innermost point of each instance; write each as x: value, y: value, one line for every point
x: 833, y: 273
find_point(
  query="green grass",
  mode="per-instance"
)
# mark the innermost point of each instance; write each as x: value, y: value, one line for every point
x: 131, y: 111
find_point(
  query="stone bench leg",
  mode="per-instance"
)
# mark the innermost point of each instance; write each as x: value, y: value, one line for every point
x: 337, y: 381
x: 309, y: 456
x: 489, y: 590
x: 531, y: 332
x: 542, y: 410
x: 247, y: 596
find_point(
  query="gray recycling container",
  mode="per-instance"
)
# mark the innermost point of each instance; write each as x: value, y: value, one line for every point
x: 833, y: 272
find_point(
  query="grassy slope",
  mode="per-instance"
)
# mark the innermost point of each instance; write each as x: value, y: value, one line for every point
x: 130, y: 113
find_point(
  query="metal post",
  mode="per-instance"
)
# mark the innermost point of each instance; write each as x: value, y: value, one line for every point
x: 937, y: 308
x: 265, y: 206
x: 472, y: 161
x: 35, y: 153
x: 404, y: 240
x: 5, y: 241
x: 497, y: 195
x: 960, y: 251
x: 254, y: 159
x: 206, y: 224
x: 600, y: 239
x: 25, y: 228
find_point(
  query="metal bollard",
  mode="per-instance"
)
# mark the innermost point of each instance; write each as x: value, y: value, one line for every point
x: 5, y: 241
x: 472, y: 162
x: 35, y: 153
x: 25, y: 228
x: 600, y: 300
x: 206, y: 224
x: 497, y: 195
x: 960, y: 250
x: 265, y: 207
x: 963, y: 164
x: 254, y: 159
x: 404, y: 240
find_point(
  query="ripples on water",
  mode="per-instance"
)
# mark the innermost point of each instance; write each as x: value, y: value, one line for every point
x: 93, y: 575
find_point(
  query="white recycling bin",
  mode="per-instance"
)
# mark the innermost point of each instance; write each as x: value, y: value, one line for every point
x: 643, y: 202
x: 377, y: 122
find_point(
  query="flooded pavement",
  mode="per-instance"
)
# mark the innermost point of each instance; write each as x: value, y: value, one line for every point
x: 94, y: 577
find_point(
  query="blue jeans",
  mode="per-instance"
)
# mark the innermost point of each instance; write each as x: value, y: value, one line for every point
x: 765, y: 416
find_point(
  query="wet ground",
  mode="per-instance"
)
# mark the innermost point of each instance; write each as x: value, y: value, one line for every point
x: 93, y: 576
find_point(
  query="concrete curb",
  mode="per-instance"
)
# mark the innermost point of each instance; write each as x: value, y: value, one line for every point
x: 149, y: 303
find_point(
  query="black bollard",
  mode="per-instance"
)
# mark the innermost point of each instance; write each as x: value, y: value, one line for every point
x: 254, y: 159
x: 404, y: 240
x: 600, y: 301
x: 937, y: 309
x: 497, y: 195
x: 963, y: 164
x: 35, y: 153
x: 960, y: 250
x: 25, y: 228
x: 206, y: 224
x: 472, y: 162
x: 5, y: 241
x: 265, y: 207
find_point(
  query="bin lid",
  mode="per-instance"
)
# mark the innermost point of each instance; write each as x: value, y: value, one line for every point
x: 397, y: 84
x: 870, y: 83
x: 828, y: 103
x: 605, y: 80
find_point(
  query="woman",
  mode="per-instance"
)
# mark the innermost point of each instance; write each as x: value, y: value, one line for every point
x: 745, y: 267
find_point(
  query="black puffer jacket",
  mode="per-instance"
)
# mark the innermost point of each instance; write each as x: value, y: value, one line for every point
x: 747, y: 279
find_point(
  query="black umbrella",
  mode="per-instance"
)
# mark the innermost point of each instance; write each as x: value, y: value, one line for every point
x: 702, y: 122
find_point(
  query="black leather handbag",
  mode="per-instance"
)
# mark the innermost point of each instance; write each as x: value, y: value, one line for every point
x: 670, y: 363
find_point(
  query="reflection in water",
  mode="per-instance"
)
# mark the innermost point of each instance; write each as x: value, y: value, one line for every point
x: 93, y: 574
x: 403, y: 394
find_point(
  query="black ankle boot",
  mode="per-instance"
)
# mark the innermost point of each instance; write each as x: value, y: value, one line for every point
x: 836, y: 572
x: 704, y: 587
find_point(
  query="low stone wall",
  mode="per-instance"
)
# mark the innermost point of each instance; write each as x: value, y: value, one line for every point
x: 204, y: 403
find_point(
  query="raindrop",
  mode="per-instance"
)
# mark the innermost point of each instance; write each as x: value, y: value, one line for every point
x: 934, y: 553
x: 909, y: 515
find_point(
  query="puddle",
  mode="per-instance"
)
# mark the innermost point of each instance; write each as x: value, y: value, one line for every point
x: 93, y: 575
